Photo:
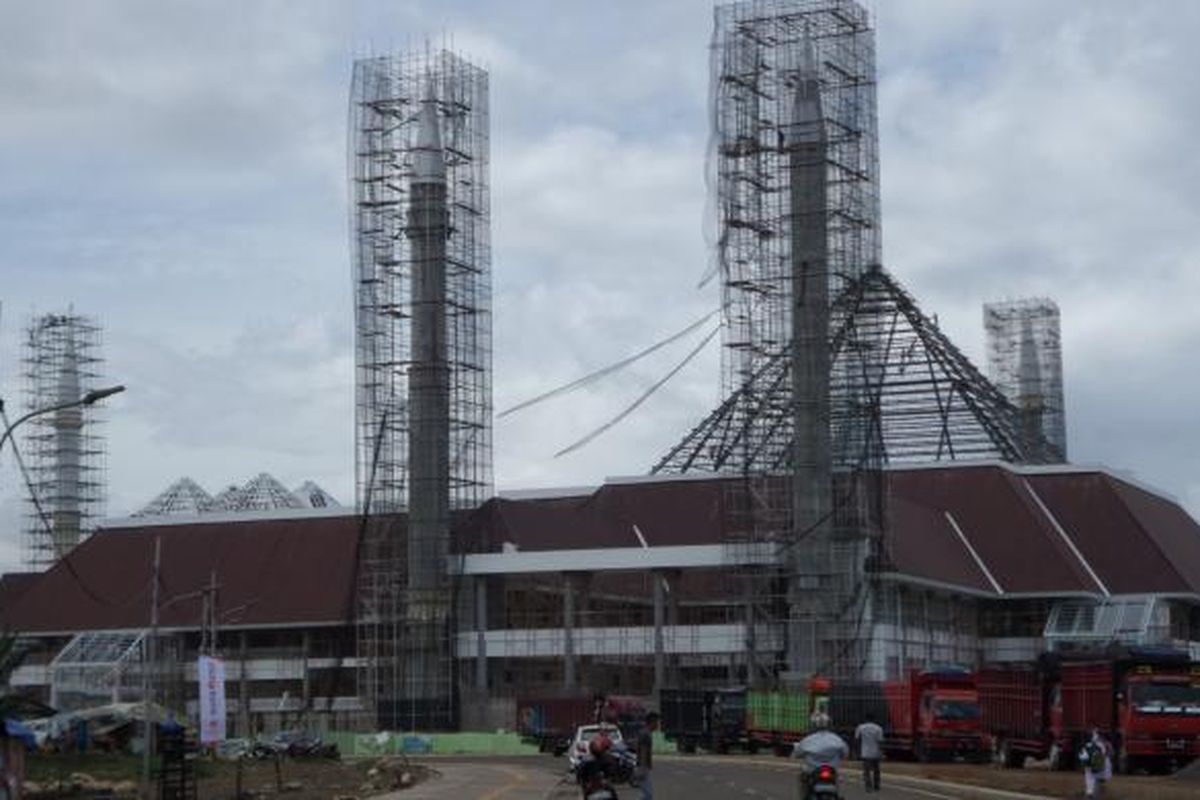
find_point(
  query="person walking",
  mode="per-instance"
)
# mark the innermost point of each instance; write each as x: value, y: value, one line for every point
x: 645, y: 755
x: 1097, y: 765
x: 869, y: 737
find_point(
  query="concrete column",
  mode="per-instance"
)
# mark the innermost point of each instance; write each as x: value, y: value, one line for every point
x: 481, y: 624
x: 306, y: 684
x: 750, y: 644
x: 660, y: 661
x: 583, y: 618
x: 570, y: 681
x: 673, y: 581
x: 244, y: 684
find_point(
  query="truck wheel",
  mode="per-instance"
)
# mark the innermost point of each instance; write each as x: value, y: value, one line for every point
x: 752, y: 747
x: 1010, y: 758
x: 921, y: 750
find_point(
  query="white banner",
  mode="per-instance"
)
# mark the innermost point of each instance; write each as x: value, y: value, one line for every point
x: 210, y: 673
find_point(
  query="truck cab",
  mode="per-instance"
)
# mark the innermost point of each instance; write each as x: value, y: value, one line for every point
x: 949, y: 721
x: 935, y: 714
x: 1158, y: 717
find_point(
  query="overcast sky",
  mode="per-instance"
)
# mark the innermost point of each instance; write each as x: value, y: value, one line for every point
x: 177, y: 169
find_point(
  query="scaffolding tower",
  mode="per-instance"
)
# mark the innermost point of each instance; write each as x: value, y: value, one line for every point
x: 1024, y: 357
x: 421, y: 256
x: 64, y: 449
x: 794, y: 166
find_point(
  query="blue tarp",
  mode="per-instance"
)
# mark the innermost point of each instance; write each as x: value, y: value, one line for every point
x: 17, y: 730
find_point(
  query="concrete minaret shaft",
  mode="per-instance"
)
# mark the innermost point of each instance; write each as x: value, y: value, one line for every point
x: 1031, y: 401
x: 812, y: 492
x: 429, y: 423
x: 67, y: 423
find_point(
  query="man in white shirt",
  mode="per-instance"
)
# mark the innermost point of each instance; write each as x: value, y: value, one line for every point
x: 869, y: 737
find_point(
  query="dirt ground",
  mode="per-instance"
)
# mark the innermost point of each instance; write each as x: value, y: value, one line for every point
x: 313, y: 780
x: 65, y: 776
x: 1038, y: 780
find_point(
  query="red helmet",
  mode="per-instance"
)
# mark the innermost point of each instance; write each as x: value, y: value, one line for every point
x: 599, y: 746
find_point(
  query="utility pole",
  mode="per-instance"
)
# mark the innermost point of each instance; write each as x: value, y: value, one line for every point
x: 149, y: 663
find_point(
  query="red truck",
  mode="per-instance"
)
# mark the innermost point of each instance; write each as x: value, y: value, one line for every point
x: 1145, y: 702
x: 934, y: 714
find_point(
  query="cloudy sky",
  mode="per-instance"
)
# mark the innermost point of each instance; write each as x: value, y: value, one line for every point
x: 178, y: 170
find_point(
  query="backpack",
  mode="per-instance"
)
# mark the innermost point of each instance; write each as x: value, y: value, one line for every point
x: 1094, y: 757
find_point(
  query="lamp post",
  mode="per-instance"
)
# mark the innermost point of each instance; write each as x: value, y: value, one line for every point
x: 87, y: 400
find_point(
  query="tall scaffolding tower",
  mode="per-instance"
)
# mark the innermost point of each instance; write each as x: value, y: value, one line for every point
x: 422, y: 276
x: 794, y: 165
x: 1024, y: 356
x: 64, y: 449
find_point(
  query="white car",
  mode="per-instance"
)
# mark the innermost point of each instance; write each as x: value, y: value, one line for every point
x: 584, y: 734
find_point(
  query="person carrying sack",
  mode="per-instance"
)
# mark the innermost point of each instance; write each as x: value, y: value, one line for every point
x: 1095, y: 760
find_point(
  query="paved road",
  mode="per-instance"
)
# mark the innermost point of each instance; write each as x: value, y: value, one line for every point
x: 675, y: 778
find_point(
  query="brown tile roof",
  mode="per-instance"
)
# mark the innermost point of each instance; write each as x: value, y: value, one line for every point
x: 12, y: 586
x: 922, y: 543
x: 271, y: 572
x: 1044, y: 531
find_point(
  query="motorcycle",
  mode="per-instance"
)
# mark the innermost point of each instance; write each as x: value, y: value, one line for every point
x: 596, y: 777
x: 821, y: 783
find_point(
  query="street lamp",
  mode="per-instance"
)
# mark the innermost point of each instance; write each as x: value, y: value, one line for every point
x: 87, y: 400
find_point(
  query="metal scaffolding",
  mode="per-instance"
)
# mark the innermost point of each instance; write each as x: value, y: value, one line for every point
x: 64, y: 449
x: 1024, y: 356
x: 934, y: 405
x: 794, y: 167
x: 419, y: 155
x: 830, y: 369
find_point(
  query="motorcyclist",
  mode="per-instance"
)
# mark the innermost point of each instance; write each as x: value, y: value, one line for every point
x: 818, y: 748
x: 595, y: 769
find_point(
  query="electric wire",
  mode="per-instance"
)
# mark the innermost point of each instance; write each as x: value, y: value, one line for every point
x: 643, y: 397
x: 611, y: 368
x: 45, y: 520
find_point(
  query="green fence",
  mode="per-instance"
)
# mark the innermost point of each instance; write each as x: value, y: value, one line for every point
x: 386, y: 744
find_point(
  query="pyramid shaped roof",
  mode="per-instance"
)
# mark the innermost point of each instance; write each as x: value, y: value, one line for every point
x: 184, y: 496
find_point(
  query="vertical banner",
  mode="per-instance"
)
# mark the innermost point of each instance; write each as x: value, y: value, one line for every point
x: 210, y: 675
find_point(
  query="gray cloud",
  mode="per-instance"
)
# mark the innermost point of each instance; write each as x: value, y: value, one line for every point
x: 178, y: 169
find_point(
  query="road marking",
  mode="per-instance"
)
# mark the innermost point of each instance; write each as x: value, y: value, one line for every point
x: 907, y: 783
x: 519, y: 777
x: 915, y: 790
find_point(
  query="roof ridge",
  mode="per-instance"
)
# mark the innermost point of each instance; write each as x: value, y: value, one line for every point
x: 1146, y: 531
x: 1045, y: 525
x: 1062, y: 533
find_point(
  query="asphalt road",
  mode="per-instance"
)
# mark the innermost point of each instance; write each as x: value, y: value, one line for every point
x: 675, y: 778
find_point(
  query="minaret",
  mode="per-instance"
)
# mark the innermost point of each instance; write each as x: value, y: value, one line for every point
x: 1031, y: 402
x: 428, y: 399
x: 812, y: 492
x: 67, y: 424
